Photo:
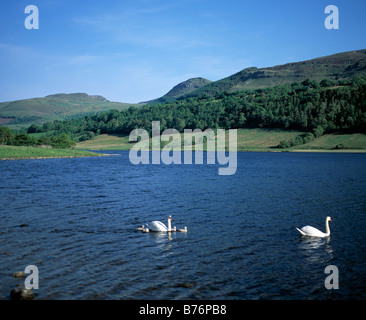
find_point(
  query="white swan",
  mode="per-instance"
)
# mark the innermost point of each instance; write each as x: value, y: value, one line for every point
x: 158, y: 226
x: 143, y: 229
x: 183, y: 230
x: 314, y: 232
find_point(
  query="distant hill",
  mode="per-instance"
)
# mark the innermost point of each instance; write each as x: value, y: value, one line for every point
x: 339, y: 66
x: 181, y: 89
x: 23, y: 113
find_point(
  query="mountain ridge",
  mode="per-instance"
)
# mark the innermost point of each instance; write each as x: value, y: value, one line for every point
x: 339, y: 66
x: 60, y: 106
x: 181, y: 89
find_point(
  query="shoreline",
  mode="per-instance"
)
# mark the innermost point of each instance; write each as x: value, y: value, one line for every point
x: 109, y: 154
x: 36, y: 153
x: 329, y: 151
x: 40, y: 158
x: 61, y: 157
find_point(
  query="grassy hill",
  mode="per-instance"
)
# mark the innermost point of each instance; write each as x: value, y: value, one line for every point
x: 346, y: 65
x: 341, y: 66
x: 23, y: 113
x: 106, y: 142
x: 250, y: 140
x: 336, y: 142
x: 25, y: 152
x: 181, y: 89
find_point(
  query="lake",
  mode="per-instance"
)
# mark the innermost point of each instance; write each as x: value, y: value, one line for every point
x: 76, y: 219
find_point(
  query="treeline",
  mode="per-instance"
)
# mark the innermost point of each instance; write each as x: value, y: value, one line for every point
x: 314, y: 107
x: 8, y: 137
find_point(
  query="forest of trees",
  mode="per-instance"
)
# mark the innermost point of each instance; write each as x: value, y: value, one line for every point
x: 314, y: 107
x: 61, y: 141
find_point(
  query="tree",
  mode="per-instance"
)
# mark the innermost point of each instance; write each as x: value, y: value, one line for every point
x: 242, y: 120
x: 48, y: 126
x: 62, y: 141
x: 310, y: 84
x: 44, y: 140
x: 284, y: 144
x: 298, y: 141
x: 6, y: 135
x: 34, y: 129
x: 327, y: 83
x: 180, y: 124
x: 24, y: 140
x: 308, y: 137
x: 318, y: 131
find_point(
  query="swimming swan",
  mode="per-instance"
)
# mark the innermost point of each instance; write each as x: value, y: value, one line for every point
x: 313, y: 232
x: 158, y: 226
x: 183, y: 230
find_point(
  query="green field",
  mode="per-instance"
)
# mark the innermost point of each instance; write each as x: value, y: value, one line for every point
x: 22, y: 152
x: 106, y: 142
x: 350, y: 142
x: 263, y: 139
x: 250, y: 140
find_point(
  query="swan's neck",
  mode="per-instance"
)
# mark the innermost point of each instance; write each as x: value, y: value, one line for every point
x: 327, y: 230
x: 169, y: 224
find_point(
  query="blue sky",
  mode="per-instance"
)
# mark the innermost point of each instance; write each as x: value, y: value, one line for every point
x: 137, y: 50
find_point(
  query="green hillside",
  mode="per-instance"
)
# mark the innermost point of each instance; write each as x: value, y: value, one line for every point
x: 249, y: 140
x: 23, y: 113
x: 341, y: 66
x: 310, y: 107
x: 326, y: 92
x: 181, y: 89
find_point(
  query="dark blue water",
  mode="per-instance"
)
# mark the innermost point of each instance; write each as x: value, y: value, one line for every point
x: 80, y: 217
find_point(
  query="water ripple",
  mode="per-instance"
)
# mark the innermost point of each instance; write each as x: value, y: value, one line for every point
x: 76, y: 220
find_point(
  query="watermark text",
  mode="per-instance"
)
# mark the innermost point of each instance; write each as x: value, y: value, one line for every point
x: 331, y: 21
x: 31, y: 21
x: 332, y: 281
x: 171, y: 153
x: 32, y: 281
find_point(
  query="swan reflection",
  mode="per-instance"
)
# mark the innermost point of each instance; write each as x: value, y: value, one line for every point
x: 160, y: 237
x: 316, y: 249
